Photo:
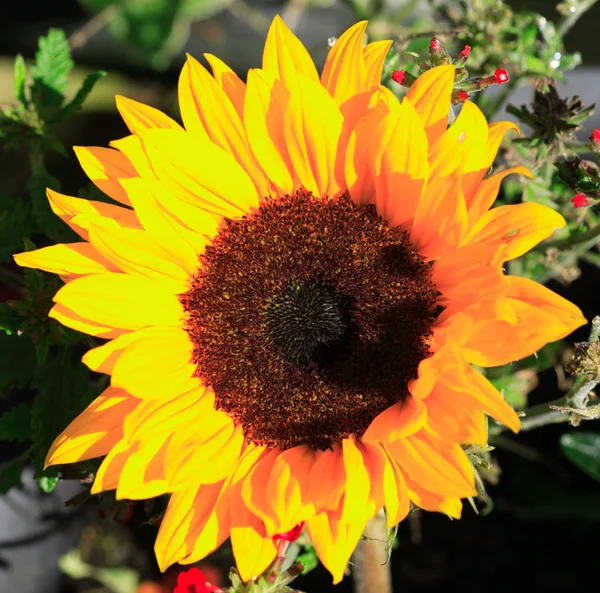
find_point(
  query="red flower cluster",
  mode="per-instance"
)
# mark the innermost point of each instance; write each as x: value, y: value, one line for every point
x: 579, y: 200
x: 192, y: 581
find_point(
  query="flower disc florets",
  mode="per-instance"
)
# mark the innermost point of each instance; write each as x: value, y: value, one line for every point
x: 308, y: 318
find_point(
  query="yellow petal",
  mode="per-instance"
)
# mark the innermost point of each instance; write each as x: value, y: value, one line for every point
x: 430, y: 94
x: 139, y: 117
x: 518, y: 227
x: 344, y: 74
x: 143, y: 474
x: 253, y: 549
x: 229, y: 81
x: 207, y: 110
x: 215, y: 180
x: 188, y: 519
x: 428, y: 501
x: 158, y: 365
x: 69, y: 318
x: 398, y: 421
x: 167, y: 231
x: 78, y: 213
x: 120, y: 301
x: 134, y: 252
x: 459, y: 147
x: 375, y: 54
x: 66, y: 259
x: 395, y: 491
x: 334, y: 540
x: 312, y: 137
x: 357, y: 502
x: 104, y: 167
x: 95, y: 431
x: 266, y: 102
x: 284, y: 56
x: 109, y: 472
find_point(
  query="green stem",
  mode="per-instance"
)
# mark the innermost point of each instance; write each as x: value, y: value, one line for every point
x: 572, y: 240
x: 569, y: 21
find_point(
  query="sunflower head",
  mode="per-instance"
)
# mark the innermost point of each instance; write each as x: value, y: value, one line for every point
x: 292, y: 288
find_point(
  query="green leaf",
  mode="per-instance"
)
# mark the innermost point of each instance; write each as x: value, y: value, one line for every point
x: 10, y: 476
x: 48, y: 223
x: 20, y: 77
x: 15, y: 425
x: 17, y: 361
x: 51, y: 70
x: 82, y: 94
x: 583, y: 449
x: 16, y: 222
x: 63, y: 391
x: 516, y: 386
x: 308, y: 559
x: 48, y: 483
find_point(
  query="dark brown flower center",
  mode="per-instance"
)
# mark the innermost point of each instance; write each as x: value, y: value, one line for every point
x: 309, y: 317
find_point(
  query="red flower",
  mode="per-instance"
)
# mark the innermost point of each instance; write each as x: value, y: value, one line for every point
x: 579, y: 201
x: 463, y: 95
x: 292, y: 535
x: 465, y: 52
x: 595, y: 137
x: 398, y: 76
x: 501, y: 76
x: 192, y: 581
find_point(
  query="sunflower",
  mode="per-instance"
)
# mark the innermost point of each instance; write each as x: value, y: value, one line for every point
x: 294, y: 287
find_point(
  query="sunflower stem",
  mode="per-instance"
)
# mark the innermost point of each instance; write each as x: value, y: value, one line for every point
x: 371, y: 570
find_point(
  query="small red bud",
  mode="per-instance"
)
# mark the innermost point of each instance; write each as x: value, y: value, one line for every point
x: 398, y: 76
x: 292, y: 535
x: 501, y: 76
x: 465, y: 52
x: 434, y: 44
x: 463, y: 95
x: 595, y: 137
x: 579, y: 200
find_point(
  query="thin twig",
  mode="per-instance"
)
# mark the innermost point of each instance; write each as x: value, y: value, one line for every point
x: 569, y: 21
x: 371, y: 570
x: 574, y: 239
x: 81, y: 36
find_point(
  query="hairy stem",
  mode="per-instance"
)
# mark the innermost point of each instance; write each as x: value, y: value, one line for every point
x: 371, y: 570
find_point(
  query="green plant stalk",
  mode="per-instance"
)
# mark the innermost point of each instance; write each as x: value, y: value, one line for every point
x: 574, y: 239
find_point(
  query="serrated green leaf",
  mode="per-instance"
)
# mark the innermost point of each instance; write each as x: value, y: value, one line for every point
x: 82, y: 94
x: 583, y: 449
x: 51, y: 70
x: 10, y: 476
x: 15, y: 425
x: 48, y: 483
x: 17, y: 361
x: 20, y: 76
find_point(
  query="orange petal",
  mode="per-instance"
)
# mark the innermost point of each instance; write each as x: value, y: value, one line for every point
x: 139, y: 117
x: 230, y: 82
x: 430, y: 94
x: 518, y: 227
x: 403, y: 167
x: 395, y: 491
x: 374, y: 54
x: 327, y: 478
x: 104, y: 167
x: 95, y: 431
x: 276, y: 489
x: 109, y: 472
x: 434, y: 502
x: 398, y: 421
